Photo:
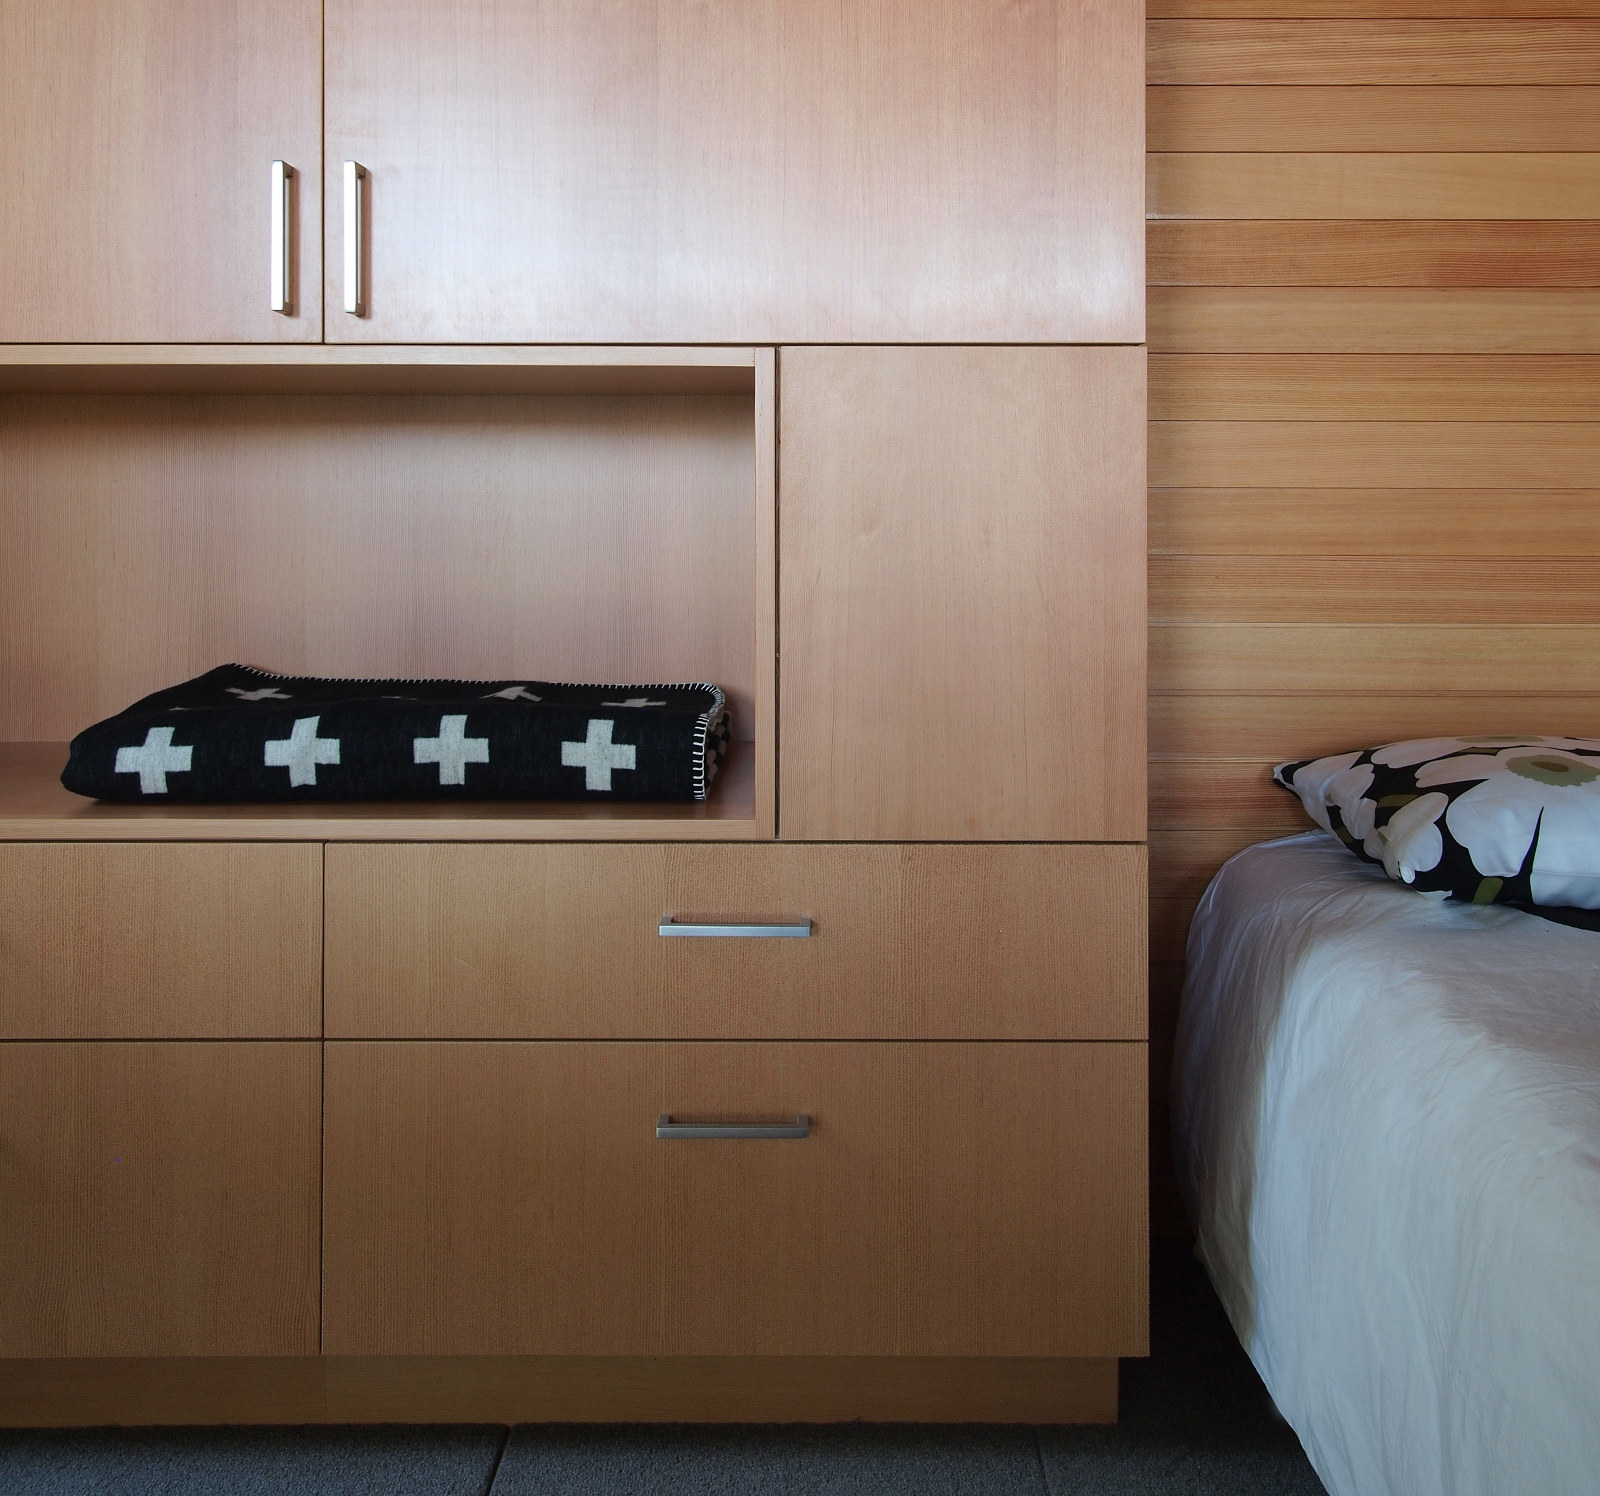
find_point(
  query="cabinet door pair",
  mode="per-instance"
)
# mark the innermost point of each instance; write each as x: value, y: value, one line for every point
x: 763, y: 171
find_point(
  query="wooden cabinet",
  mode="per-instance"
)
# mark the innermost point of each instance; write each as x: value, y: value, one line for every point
x: 179, y: 941
x: 159, y: 1199
x: 951, y: 795
x: 908, y: 942
x: 962, y: 594
x: 140, y: 137
x: 372, y: 1089
x: 771, y: 171
x: 950, y: 1200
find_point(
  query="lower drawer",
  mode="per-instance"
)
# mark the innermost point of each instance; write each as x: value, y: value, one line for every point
x: 948, y: 1200
x: 158, y: 1199
x: 907, y: 942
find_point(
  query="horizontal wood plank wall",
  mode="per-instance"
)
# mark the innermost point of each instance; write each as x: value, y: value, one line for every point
x: 1374, y: 324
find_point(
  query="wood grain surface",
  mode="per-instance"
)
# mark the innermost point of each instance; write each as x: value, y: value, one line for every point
x: 1386, y: 117
x: 1372, y: 454
x: 962, y: 594
x: 783, y: 171
x: 146, y: 539
x: 1310, y: 724
x: 951, y: 1199
x: 556, y: 1389
x: 1279, y: 589
x: 1311, y: 387
x: 1485, y: 659
x: 907, y: 942
x: 1362, y: 10
x: 184, y: 941
x: 1387, y: 523
x: 1252, y: 251
x: 1409, y: 52
x: 387, y: 369
x: 1388, y: 185
x: 1273, y: 319
x: 160, y: 1199
x: 141, y: 137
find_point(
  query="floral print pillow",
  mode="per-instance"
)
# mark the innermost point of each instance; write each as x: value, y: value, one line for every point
x: 1487, y: 820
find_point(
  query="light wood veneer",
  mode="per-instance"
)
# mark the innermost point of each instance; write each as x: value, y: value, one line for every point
x: 180, y: 941
x: 1382, y: 117
x: 144, y: 539
x: 952, y: 1199
x: 140, y: 138
x: 160, y: 1199
x: 962, y: 594
x: 774, y: 171
x: 558, y: 1389
x: 1367, y: 50
x: 928, y: 942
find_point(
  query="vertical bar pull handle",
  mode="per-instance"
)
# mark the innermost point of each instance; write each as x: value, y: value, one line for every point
x: 355, y: 178
x: 282, y: 248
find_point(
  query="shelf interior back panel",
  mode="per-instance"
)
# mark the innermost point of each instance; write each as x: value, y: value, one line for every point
x: 146, y: 538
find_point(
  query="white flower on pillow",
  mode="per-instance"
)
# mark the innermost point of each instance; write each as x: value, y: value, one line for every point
x: 1411, y: 843
x: 1341, y: 782
x: 1521, y: 789
x: 1420, y: 750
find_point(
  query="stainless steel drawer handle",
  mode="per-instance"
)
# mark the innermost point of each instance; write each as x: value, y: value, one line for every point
x: 667, y: 1128
x: 355, y: 181
x: 282, y: 248
x: 799, y: 929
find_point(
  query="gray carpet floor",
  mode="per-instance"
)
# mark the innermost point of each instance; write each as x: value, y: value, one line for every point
x: 1195, y: 1422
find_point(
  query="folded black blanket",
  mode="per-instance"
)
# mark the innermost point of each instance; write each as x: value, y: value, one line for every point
x: 236, y: 733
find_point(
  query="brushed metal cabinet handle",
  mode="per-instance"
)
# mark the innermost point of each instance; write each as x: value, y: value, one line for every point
x: 667, y: 1129
x: 355, y: 178
x: 282, y: 249
x: 799, y: 929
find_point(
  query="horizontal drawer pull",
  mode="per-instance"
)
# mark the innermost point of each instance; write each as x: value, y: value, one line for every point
x: 667, y: 1128
x: 797, y: 929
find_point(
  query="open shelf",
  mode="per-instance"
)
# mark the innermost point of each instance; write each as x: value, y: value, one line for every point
x: 568, y: 514
x: 328, y: 369
x: 34, y: 807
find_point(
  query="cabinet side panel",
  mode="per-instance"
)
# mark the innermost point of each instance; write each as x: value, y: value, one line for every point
x: 160, y: 1199
x: 183, y: 941
x: 962, y: 594
x: 139, y: 144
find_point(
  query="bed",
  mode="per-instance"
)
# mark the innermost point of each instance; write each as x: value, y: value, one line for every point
x: 1387, y: 1115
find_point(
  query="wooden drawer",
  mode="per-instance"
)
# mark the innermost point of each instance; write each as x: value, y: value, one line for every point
x: 951, y: 1200
x: 158, y: 1199
x: 179, y: 940
x: 561, y: 941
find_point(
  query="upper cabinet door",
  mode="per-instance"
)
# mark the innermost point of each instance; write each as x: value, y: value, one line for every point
x: 739, y: 170
x: 139, y: 138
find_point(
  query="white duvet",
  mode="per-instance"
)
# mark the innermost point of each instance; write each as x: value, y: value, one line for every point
x: 1388, y: 1124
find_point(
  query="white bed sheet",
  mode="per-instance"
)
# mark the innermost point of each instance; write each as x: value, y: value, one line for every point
x: 1388, y: 1123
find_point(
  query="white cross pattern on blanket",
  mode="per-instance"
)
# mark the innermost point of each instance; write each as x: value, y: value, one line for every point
x: 154, y: 759
x: 597, y: 755
x: 302, y: 751
x: 452, y: 750
x: 634, y: 701
x: 266, y: 693
x: 515, y: 693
